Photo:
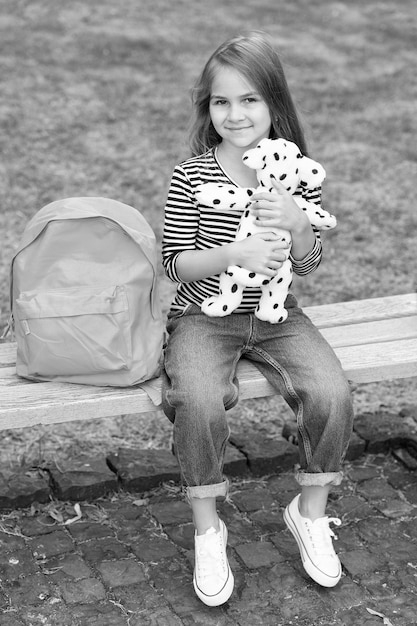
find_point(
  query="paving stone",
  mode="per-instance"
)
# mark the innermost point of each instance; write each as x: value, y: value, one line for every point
x: 34, y: 526
x: 358, y: 615
x: 241, y: 529
x: 346, y: 594
x: 103, y: 614
x: 139, y: 598
x: 356, y: 448
x: 408, y: 528
x: 377, y: 489
x: 56, y: 614
x: 379, y: 584
x: 172, y: 512
x: 235, y: 463
x: 10, y: 620
x: 252, y: 499
x: 406, y: 457
x: 352, y: 507
x: 268, y: 521
x: 374, y: 529
x: 10, y: 542
x: 121, y: 572
x: 4, y: 602
x: 384, y: 430
x: 160, y: 616
x: 308, y: 605
x: 103, y: 550
x: 67, y: 567
x: 174, y: 582
x: 396, y: 551
x: 153, y: 549
x: 395, y: 508
x: 283, y: 499
x: 266, y: 456
x: 347, y: 538
x: 282, y: 484
x: 85, y: 591
x: 400, y: 609
x: 83, y: 531
x: 57, y: 542
x: 82, y: 478
x: 131, y: 531
x: 140, y: 470
x: 20, y: 489
x: 207, y: 617
x: 285, y: 586
x: 285, y: 544
x: 359, y: 473
x: 128, y: 512
x: 404, y: 577
x: 17, y: 563
x: 358, y: 562
x: 259, y: 554
x: 410, y: 492
x: 31, y: 590
x: 182, y: 535
x: 256, y: 617
x: 399, y: 477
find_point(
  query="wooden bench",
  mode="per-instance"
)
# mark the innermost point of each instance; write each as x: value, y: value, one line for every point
x: 375, y: 340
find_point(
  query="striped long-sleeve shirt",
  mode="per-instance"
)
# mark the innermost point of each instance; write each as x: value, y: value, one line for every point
x: 190, y: 226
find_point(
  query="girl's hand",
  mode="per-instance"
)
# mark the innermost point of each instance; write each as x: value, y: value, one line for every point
x: 278, y: 209
x: 263, y: 253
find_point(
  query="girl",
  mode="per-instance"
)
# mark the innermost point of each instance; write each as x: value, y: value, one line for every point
x: 241, y: 97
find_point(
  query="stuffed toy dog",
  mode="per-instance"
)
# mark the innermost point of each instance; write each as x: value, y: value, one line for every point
x: 283, y: 160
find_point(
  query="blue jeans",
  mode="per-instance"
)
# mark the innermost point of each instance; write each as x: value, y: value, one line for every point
x: 200, y: 385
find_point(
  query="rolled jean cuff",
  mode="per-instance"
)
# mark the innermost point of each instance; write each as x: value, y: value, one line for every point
x: 320, y: 479
x: 208, y: 491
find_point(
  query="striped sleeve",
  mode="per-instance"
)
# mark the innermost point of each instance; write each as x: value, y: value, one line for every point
x: 312, y: 260
x: 181, y: 222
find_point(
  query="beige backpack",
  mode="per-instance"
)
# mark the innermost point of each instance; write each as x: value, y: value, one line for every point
x: 84, y: 300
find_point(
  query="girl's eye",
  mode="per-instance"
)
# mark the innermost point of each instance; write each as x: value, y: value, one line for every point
x: 219, y: 102
x: 250, y: 99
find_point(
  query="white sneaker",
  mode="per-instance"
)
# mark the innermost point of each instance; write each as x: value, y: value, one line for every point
x: 213, y: 578
x: 315, y: 544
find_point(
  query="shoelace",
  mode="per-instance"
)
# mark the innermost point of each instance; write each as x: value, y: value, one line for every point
x: 211, y: 554
x: 321, y: 534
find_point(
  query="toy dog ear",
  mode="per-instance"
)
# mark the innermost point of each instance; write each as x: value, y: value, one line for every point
x: 254, y: 158
x: 311, y: 173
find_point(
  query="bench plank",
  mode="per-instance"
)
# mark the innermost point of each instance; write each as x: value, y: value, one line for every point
x: 371, y: 332
x: 368, y: 310
x: 379, y: 361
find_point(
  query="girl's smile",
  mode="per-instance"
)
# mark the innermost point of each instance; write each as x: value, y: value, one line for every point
x: 238, y: 113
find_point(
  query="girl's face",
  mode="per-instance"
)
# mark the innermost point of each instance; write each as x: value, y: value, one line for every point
x: 238, y: 113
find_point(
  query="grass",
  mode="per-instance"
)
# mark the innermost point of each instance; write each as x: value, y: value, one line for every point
x: 94, y: 100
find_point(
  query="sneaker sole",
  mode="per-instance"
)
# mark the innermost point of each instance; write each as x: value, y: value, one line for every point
x: 312, y: 570
x: 219, y: 598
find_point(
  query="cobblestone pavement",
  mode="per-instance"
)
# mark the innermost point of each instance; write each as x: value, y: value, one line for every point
x: 126, y: 558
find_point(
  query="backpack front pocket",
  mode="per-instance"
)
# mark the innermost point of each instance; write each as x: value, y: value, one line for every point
x: 75, y: 331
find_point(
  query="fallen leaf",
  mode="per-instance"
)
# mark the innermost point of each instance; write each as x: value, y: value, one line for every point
x: 386, y: 620
x: 79, y: 515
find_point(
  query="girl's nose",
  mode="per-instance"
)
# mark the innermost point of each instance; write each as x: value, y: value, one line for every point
x: 236, y: 113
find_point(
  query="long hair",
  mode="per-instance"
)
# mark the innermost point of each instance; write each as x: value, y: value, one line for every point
x: 253, y: 56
